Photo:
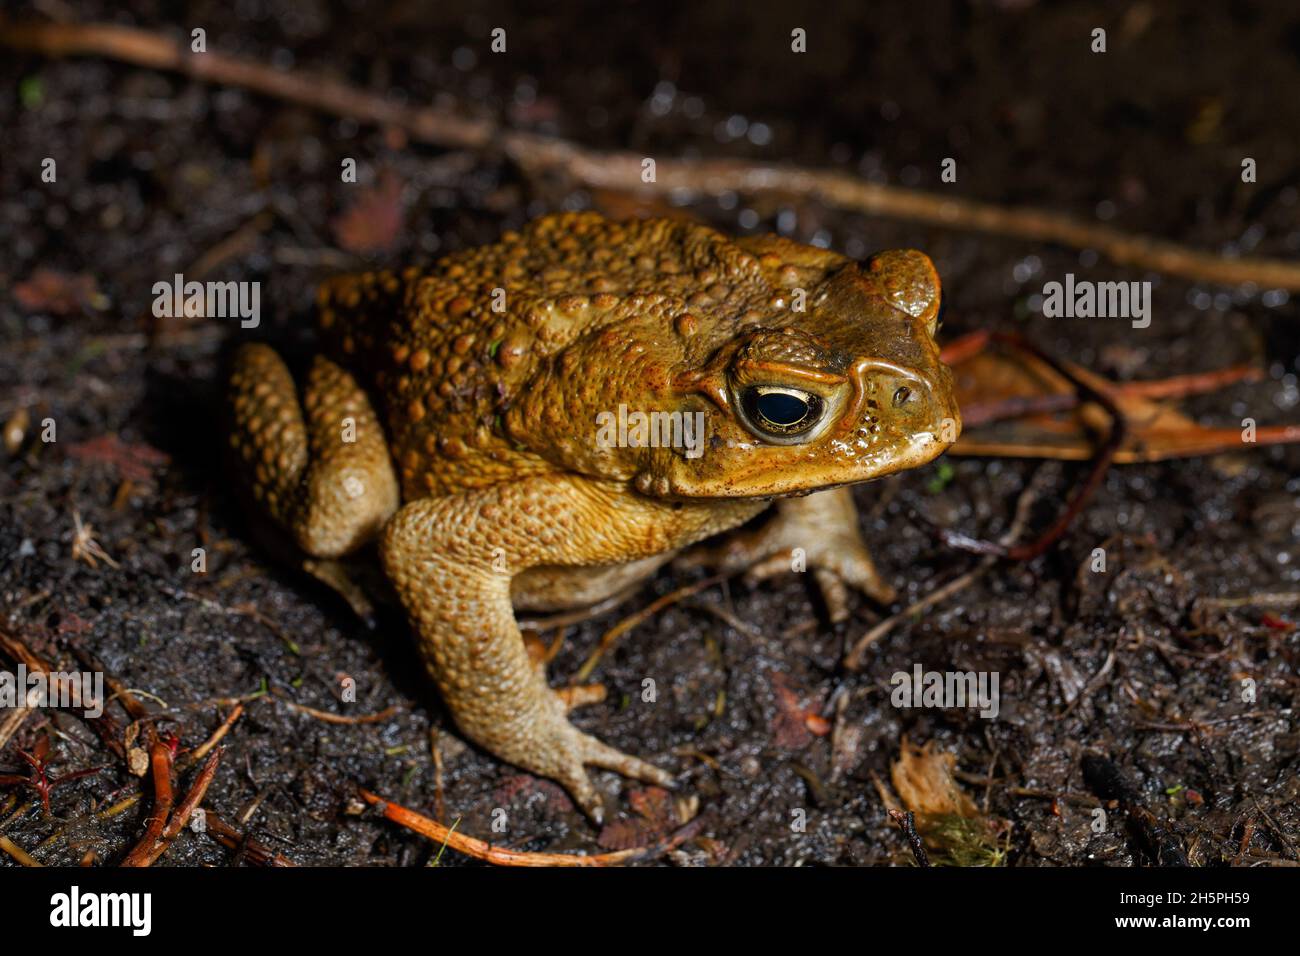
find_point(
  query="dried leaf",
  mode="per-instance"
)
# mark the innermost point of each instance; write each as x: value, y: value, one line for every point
x: 133, y: 461
x: 372, y: 223
x: 991, y: 384
x: 795, y: 724
x: 923, y: 778
x: 60, y: 293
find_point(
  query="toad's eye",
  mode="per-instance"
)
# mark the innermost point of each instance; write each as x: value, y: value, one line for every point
x: 901, y: 396
x: 781, y: 413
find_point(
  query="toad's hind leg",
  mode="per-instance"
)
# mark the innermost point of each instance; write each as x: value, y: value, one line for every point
x: 452, y: 559
x: 325, y: 476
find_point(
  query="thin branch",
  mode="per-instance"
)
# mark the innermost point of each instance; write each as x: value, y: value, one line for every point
x: 17, y: 852
x: 481, y: 850
x: 907, y: 823
x: 611, y: 637
x: 160, y: 757
x: 250, y: 849
x: 1101, y: 463
x: 331, y: 718
x: 198, y: 790
x: 622, y: 171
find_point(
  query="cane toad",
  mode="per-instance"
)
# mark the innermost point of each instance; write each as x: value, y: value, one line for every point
x: 485, y: 420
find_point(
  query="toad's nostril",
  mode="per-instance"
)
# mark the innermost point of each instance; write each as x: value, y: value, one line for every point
x: 874, y: 379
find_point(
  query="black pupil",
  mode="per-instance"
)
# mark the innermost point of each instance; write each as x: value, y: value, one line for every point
x: 782, y: 409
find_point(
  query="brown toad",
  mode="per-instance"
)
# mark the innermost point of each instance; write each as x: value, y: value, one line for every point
x: 519, y: 426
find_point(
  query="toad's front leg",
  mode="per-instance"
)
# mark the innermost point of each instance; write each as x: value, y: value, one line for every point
x: 451, y: 560
x: 824, y: 527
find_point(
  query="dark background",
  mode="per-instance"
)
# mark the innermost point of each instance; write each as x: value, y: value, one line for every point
x: 156, y: 171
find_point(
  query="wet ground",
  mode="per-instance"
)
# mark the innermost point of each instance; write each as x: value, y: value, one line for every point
x: 1124, y: 686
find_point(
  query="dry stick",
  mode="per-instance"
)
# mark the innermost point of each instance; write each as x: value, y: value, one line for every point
x: 133, y: 707
x: 1176, y: 386
x: 183, y: 762
x: 610, y: 637
x: 17, y: 852
x: 1100, y: 465
x: 907, y: 823
x: 9, y: 726
x: 232, y: 839
x: 565, y: 619
x: 198, y: 790
x: 853, y: 660
x: 104, y: 725
x: 1192, y: 383
x: 622, y: 171
x: 201, y: 751
x: 158, y: 52
x: 1277, y: 599
x: 329, y: 718
x: 17, y: 814
x: 1211, y: 440
x: 160, y: 758
x: 482, y: 850
x: 1082, y: 799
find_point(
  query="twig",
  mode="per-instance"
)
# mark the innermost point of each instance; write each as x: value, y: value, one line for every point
x: 1193, y: 383
x: 564, y: 619
x: 439, y: 801
x: 17, y: 814
x: 622, y: 171
x: 160, y: 758
x: 1100, y: 464
x: 853, y: 660
x: 9, y: 726
x: 17, y: 852
x: 907, y: 823
x: 488, y: 853
x: 182, y: 762
x: 1277, y: 830
x: 201, y: 751
x: 104, y: 725
x: 1196, y: 726
x: 330, y: 718
x: 1091, y: 687
x: 232, y: 839
x: 133, y: 707
x: 610, y: 637
x: 1082, y: 799
x: 198, y: 790
x: 1276, y: 599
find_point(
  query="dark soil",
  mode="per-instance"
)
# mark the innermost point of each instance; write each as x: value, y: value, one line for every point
x: 156, y: 171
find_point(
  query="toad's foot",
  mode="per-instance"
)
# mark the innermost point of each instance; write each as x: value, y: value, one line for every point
x: 564, y: 753
x: 818, y: 531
